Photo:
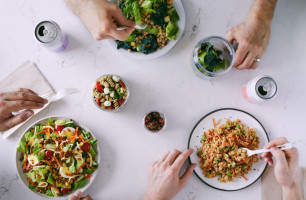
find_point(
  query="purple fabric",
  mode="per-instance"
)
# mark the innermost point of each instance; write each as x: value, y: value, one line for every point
x: 63, y: 47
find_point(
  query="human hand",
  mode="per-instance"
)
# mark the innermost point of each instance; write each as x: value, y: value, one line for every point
x: 16, y: 101
x: 101, y: 18
x: 253, y: 36
x: 77, y: 196
x: 286, y: 168
x: 164, y: 181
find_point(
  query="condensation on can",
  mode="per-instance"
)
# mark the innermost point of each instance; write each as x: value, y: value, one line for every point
x: 260, y: 89
x: 50, y: 35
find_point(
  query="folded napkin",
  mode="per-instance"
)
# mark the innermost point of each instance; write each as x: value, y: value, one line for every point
x: 271, y: 190
x: 26, y: 76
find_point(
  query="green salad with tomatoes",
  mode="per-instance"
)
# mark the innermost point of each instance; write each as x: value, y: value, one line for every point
x: 58, y: 157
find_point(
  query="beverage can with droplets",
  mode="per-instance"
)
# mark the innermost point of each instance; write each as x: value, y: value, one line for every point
x: 260, y: 89
x: 50, y: 35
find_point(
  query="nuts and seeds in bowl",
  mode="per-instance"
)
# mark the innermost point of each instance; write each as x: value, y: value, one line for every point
x: 154, y: 121
x: 110, y: 93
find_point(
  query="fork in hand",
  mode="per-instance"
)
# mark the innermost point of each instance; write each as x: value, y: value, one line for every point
x: 281, y: 147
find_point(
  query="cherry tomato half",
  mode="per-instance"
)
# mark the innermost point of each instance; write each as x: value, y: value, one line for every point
x: 48, y: 155
x: 85, y: 147
x: 59, y: 128
x: 65, y: 190
x: 98, y: 102
x: 99, y: 87
x: 122, y: 84
x: 121, y: 101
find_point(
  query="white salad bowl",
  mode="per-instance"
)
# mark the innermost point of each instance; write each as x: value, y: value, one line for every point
x: 23, y: 176
x: 140, y: 56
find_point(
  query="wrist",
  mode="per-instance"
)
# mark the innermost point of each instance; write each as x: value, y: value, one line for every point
x: 292, y: 192
x: 75, y: 6
x: 262, y: 10
x: 152, y: 197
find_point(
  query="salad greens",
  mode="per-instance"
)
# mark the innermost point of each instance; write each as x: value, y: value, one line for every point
x: 161, y: 18
x: 210, y: 58
x: 57, y: 157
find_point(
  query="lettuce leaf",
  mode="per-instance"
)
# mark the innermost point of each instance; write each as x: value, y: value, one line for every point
x: 21, y: 146
x: 172, y: 31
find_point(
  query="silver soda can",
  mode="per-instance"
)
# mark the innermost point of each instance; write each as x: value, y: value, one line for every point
x: 260, y: 89
x: 50, y: 35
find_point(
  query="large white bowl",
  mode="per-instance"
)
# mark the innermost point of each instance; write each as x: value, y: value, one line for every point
x: 24, y: 177
x: 140, y: 56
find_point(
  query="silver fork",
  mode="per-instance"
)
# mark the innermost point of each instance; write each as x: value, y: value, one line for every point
x: 281, y: 147
x: 140, y: 27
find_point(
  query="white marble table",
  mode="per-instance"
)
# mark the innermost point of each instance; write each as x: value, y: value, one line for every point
x: 166, y: 83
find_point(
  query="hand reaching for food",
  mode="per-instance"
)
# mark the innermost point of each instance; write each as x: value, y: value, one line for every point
x: 78, y: 196
x: 23, y: 99
x: 101, y: 18
x: 253, y: 34
x: 286, y: 168
x: 164, y: 181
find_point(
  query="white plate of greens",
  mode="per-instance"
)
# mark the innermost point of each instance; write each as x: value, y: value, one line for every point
x: 147, y: 49
x: 57, y: 156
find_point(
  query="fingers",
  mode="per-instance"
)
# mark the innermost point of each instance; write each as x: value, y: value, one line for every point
x: 230, y: 36
x: 17, y: 119
x: 280, y: 157
x: 187, y: 174
x: 240, y: 54
x: 14, y: 106
x: 254, y: 65
x: 248, y: 61
x: 76, y: 195
x: 164, y: 157
x: 276, y: 142
x: 172, y: 156
x: 178, y: 163
x: 122, y: 20
x: 27, y: 90
x: 87, y: 197
x: 23, y: 95
x: 121, y: 34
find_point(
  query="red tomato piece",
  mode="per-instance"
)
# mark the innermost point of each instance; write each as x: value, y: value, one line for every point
x: 98, y: 102
x: 48, y: 155
x: 85, y: 147
x: 59, y: 128
x: 121, y: 101
x: 122, y: 84
x: 99, y: 87
x: 65, y: 190
x: 28, y: 167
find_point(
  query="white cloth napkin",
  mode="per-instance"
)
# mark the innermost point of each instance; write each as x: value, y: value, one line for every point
x: 26, y: 76
x: 271, y: 190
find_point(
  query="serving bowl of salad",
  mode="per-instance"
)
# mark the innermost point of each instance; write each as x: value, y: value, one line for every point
x: 165, y: 20
x: 56, y: 156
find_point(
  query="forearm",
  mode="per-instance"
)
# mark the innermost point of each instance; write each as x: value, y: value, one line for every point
x: 263, y: 10
x: 293, y: 193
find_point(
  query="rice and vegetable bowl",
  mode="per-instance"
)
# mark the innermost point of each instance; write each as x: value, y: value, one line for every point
x: 221, y: 154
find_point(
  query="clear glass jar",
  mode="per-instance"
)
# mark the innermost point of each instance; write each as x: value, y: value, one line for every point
x: 228, y: 54
x: 162, y: 115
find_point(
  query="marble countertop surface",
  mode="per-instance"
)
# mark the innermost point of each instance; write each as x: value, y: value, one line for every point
x: 166, y: 83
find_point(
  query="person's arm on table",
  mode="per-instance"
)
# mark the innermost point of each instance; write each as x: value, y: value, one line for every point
x: 286, y: 169
x: 164, y: 181
x: 101, y: 18
x: 253, y: 34
x: 23, y: 99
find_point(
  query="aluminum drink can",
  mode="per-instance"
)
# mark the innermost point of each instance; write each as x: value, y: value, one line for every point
x: 260, y: 89
x: 50, y: 35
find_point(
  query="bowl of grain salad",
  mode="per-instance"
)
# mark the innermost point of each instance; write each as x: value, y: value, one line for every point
x: 110, y: 93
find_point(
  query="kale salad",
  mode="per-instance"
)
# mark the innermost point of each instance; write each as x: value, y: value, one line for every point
x: 161, y: 18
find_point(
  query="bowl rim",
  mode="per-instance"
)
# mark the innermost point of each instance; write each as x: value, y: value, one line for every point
x: 82, y: 189
x: 127, y: 95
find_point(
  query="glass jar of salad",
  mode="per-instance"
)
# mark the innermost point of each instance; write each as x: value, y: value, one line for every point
x: 212, y: 57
